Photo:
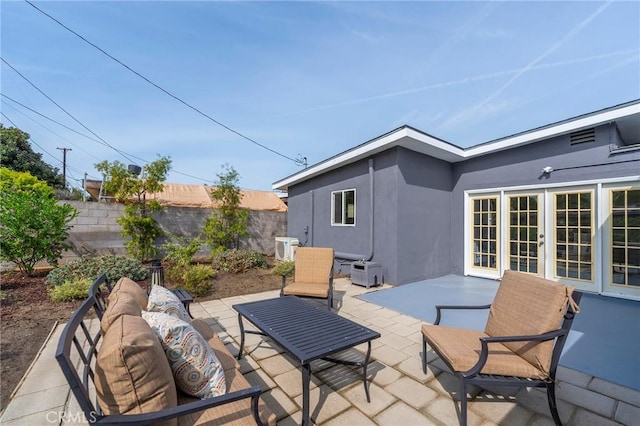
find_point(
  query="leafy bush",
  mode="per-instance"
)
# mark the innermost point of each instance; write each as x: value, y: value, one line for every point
x: 196, y: 279
x: 90, y: 266
x: 237, y: 261
x: 71, y: 290
x: 182, y: 251
x: 282, y: 267
x: 33, y: 226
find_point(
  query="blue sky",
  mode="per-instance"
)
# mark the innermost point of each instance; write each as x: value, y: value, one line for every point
x: 305, y: 79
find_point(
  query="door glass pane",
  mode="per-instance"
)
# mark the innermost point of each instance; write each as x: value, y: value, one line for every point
x: 573, y: 226
x: 625, y: 243
x: 485, y: 243
x: 523, y: 214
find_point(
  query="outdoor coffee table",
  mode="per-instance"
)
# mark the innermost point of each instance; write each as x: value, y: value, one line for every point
x: 307, y: 333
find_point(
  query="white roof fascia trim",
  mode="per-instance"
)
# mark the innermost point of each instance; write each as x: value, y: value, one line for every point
x: 553, y: 131
x: 367, y: 149
x: 342, y: 158
x: 436, y: 143
x: 393, y: 138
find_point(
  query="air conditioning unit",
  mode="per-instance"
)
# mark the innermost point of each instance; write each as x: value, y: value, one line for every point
x: 286, y: 248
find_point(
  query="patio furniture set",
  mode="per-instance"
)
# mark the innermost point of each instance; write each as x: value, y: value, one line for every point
x: 121, y: 377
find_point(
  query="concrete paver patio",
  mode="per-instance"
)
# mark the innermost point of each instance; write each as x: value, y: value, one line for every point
x: 400, y: 393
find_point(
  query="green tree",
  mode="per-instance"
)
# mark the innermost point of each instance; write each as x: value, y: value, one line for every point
x: 16, y: 154
x: 131, y: 189
x: 228, y: 222
x: 33, y: 226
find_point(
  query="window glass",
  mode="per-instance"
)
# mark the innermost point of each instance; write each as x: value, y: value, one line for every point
x: 485, y: 223
x: 625, y: 244
x: 344, y: 207
x: 573, y: 226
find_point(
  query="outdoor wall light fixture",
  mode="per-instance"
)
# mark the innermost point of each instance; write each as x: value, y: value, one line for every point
x: 547, y: 170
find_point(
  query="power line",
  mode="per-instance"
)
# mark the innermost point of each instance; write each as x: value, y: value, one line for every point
x: 65, y: 111
x: 86, y: 136
x: 31, y: 140
x: 51, y: 119
x: 188, y: 105
x: 81, y: 134
x: 47, y: 128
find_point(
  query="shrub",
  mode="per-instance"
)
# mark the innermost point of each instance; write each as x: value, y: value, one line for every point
x: 237, y: 261
x: 70, y: 290
x: 196, y: 279
x: 33, y: 226
x: 282, y: 267
x: 182, y: 251
x: 90, y: 266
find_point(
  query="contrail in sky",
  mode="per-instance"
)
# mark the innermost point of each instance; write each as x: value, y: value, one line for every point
x: 552, y: 49
x: 473, y: 110
x: 458, y: 82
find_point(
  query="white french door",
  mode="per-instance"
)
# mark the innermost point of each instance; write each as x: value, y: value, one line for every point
x: 584, y: 235
x: 525, y: 232
x: 621, y: 231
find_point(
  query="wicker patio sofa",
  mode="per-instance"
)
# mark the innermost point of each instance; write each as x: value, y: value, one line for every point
x: 119, y: 374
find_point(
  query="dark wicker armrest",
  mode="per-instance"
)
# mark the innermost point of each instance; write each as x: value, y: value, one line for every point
x: 484, y: 354
x: 184, y: 409
x: 443, y: 307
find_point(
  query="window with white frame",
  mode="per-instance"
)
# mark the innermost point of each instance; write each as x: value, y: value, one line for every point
x: 343, y: 206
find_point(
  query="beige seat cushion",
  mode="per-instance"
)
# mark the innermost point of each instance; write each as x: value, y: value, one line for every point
x: 234, y: 414
x: 237, y: 413
x: 132, y: 375
x: 307, y: 289
x: 461, y: 348
x: 120, y: 303
x: 528, y: 305
x: 127, y: 285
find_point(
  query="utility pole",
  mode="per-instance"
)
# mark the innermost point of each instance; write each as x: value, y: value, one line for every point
x: 64, y: 164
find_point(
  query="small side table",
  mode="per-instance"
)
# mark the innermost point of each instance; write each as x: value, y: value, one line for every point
x: 366, y: 274
x: 185, y: 298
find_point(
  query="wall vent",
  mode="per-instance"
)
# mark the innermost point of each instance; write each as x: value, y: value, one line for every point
x: 583, y: 136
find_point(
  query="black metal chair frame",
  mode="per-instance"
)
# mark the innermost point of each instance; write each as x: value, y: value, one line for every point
x: 77, y: 341
x: 474, y: 377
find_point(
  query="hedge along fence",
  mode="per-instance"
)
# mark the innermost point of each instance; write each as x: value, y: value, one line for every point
x: 96, y: 229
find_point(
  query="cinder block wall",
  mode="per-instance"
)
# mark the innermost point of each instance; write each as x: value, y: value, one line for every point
x: 95, y: 229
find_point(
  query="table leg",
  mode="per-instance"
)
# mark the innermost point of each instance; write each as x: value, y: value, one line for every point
x: 241, y: 336
x: 306, y: 379
x: 364, y: 371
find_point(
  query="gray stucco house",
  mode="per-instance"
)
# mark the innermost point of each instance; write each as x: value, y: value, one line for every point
x: 561, y: 201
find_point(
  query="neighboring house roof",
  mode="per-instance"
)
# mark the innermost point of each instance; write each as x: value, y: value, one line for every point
x: 188, y: 195
x: 626, y: 116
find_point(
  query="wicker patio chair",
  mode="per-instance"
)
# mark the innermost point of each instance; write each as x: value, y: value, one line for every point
x: 313, y: 275
x: 528, y: 323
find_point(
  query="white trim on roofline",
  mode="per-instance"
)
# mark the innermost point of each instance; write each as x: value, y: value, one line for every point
x: 424, y: 143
